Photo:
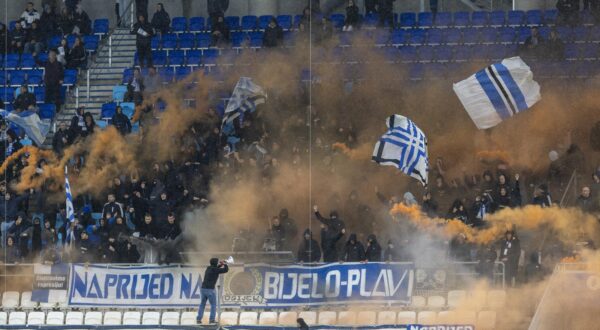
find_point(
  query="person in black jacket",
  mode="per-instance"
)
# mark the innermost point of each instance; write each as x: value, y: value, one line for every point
x: 161, y: 20
x: 49, y: 22
x: 121, y: 122
x: 386, y: 12
x: 208, y: 292
x: 510, y: 251
x: 216, y: 8
x: 82, y: 21
x: 53, y: 79
x: 148, y: 227
x: 25, y: 99
x: 354, y: 251
x: 61, y: 138
x: 3, y: 40
x: 352, y: 17
x: 76, y: 58
x: 220, y: 32
x: 273, y: 35
x: 17, y: 38
x: 141, y: 8
x: 112, y: 207
x: 36, y: 39
x: 373, y: 252
x: 65, y: 22
x: 143, y: 31
x: 309, y: 250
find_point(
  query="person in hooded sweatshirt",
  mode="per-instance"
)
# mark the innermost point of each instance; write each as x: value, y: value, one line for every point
x: 121, y: 122
x: 309, y: 250
x: 354, y: 251
x: 332, y: 230
x: 373, y: 252
x: 148, y: 227
x: 161, y: 20
x: 208, y: 292
x: 289, y: 225
x: 510, y: 251
x: 458, y: 211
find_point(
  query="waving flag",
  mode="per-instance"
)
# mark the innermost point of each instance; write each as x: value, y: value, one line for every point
x: 69, y: 199
x: 29, y: 121
x: 404, y: 145
x: 498, y: 92
x: 246, y: 96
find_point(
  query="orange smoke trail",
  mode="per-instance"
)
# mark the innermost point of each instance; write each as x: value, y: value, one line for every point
x: 494, y: 155
x: 529, y: 217
x: 16, y: 155
x: 360, y: 153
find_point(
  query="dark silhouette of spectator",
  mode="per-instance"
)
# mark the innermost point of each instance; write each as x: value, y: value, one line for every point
x: 354, y: 251
x: 309, y: 250
x: 273, y: 35
x: 3, y: 37
x: 220, y: 32
x: 386, y: 12
x: 18, y: 37
x: 61, y: 139
x: 143, y: 31
x: 141, y: 7
x: 568, y: 12
x: 65, y: 22
x: 81, y: 21
x: 510, y: 251
x: 371, y: 6
x: 77, y: 57
x: 373, y: 251
x: 216, y: 8
x: 90, y: 125
x: 36, y: 40
x: 25, y: 99
x: 555, y: 47
x: 135, y: 88
x: 160, y: 20
x: 49, y: 22
x: 352, y: 17
x: 53, y: 79
x: 121, y: 122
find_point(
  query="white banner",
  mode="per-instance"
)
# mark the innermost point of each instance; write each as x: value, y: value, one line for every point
x: 151, y: 286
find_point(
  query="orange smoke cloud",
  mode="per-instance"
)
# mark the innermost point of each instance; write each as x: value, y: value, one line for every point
x: 363, y: 152
x: 568, y: 223
x: 494, y: 155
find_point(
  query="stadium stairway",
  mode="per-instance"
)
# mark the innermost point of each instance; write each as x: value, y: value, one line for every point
x: 103, y: 77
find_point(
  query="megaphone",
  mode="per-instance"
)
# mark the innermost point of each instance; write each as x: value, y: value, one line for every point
x: 229, y: 260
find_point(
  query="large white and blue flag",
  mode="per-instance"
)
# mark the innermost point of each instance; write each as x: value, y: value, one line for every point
x: 404, y: 146
x: 50, y: 283
x: 498, y: 92
x: 30, y: 122
x: 246, y: 96
x: 69, y: 199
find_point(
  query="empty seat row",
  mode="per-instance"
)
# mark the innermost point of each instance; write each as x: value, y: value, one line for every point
x: 245, y: 23
x: 493, y: 299
x: 482, y: 320
x: 14, y: 299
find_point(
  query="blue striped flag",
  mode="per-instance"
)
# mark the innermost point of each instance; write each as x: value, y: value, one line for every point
x: 50, y: 283
x: 30, y: 122
x: 246, y: 96
x: 69, y: 199
x: 404, y: 146
x: 498, y: 92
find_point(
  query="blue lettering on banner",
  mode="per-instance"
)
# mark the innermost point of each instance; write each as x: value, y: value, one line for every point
x: 248, y: 286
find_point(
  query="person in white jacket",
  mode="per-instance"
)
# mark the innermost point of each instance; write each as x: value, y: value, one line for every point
x: 29, y: 15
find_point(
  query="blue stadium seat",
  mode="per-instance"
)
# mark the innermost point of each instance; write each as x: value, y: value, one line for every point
x: 417, y: 37
x: 27, y: 61
x: 108, y: 110
x: 586, y: 18
x: 507, y: 35
x: 571, y: 52
x: 233, y: 22
x: 297, y: 19
x: 101, y: 26
x: 187, y: 41
x: 155, y: 42
x: 196, y: 24
x: 176, y: 57
x: 444, y: 54
x: 35, y: 77
x: 416, y: 71
x: 289, y: 39
x: 371, y: 20
x: 452, y: 36
x: 480, y: 18
x: 128, y: 109
x: 399, y: 37
x: 443, y: 19
x: 194, y: 57
x: 285, y: 21
x: 435, y: 71
x: 408, y: 54
x: 90, y: 43
x: 381, y: 38
x: 408, y: 19
x: 497, y: 18
x: 589, y: 52
x: 17, y: 78
x: 488, y: 35
x: 579, y: 35
x: 3, y: 79
x: 479, y: 53
x: 159, y: 57
x: 550, y: 16
x: 426, y: 54
x: 182, y: 72
x: 434, y: 37
x: 228, y: 56
x: 515, y: 18
x: 166, y: 74
x: 391, y: 55
x: 594, y: 35
x: 70, y: 77
x: 337, y: 20
x: 463, y: 54
x: 238, y: 39
x: 179, y: 24
x: 71, y: 40
x: 118, y: 93
x: 534, y: 17
x: 47, y: 111
x: 203, y: 40
x: 470, y: 36
x: 210, y: 56
x: 54, y: 41
x: 461, y: 19
x: 40, y: 94
x: 42, y: 58
x: 425, y: 19
x: 8, y: 94
x: 263, y: 21
x: 169, y: 41
x: 127, y: 75
x: 496, y: 52
x: 249, y: 22
x: 12, y: 61
x: 523, y: 33
x: 256, y: 39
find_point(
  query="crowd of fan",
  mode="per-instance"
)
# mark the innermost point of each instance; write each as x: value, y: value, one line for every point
x: 140, y: 218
